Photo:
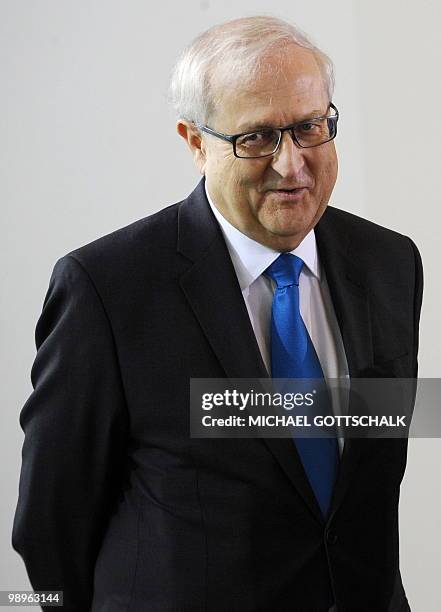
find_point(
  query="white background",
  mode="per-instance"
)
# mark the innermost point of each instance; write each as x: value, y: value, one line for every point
x: 87, y: 145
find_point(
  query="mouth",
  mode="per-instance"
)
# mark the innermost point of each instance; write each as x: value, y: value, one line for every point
x: 289, y: 194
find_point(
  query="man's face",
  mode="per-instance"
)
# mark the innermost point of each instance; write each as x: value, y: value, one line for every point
x: 250, y: 192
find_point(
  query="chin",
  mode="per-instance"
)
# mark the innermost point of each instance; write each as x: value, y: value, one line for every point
x: 302, y: 219
x: 286, y: 225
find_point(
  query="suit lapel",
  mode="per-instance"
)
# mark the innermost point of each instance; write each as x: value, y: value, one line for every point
x: 213, y: 292
x: 350, y: 297
x: 349, y: 293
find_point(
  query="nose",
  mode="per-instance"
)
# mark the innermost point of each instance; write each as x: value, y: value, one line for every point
x: 289, y: 159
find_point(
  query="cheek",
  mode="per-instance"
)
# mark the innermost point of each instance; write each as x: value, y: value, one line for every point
x: 332, y: 173
x: 241, y: 178
x: 333, y: 162
x: 253, y: 176
x: 327, y: 174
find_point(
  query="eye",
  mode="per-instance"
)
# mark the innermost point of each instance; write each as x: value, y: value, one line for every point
x: 309, y: 126
x: 257, y: 139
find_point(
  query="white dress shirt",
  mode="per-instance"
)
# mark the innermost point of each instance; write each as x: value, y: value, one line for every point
x: 250, y: 259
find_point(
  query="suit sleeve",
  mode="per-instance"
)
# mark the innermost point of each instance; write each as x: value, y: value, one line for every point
x: 418, y: 298
x: 74, y: 450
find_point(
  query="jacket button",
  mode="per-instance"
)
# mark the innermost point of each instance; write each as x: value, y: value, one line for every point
x: 331, y: 537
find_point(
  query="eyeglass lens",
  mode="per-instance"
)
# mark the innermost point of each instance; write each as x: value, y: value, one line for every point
x: 265, y: 142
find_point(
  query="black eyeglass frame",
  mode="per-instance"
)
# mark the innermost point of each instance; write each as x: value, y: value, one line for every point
x: 232, y: 138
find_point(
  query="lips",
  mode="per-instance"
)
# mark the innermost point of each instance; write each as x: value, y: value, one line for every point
x: 290, y: 189
x: 293, y: 194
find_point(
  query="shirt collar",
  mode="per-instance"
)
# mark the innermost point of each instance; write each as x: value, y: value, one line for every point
x: 250, y: 258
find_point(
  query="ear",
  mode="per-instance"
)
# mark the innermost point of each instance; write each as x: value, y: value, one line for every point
x: 193, y: 137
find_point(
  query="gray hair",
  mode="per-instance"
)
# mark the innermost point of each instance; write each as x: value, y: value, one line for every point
x: 231, y: 53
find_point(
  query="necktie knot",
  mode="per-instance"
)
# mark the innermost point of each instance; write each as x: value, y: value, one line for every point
x: 285, y: 270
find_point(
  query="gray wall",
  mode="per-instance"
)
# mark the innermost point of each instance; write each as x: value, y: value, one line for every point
x: 87, y: 144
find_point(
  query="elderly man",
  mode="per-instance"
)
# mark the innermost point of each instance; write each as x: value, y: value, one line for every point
x: 119, y: 506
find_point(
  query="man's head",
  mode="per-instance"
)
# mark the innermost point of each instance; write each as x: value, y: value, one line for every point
x: 250, y: 73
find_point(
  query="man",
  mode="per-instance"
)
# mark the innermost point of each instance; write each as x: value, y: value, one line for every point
x: 118, y: 506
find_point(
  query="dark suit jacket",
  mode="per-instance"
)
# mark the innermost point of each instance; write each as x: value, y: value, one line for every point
x: 123, y: 511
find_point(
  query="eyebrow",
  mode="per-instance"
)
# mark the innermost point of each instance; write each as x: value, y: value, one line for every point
x: 314, y: 114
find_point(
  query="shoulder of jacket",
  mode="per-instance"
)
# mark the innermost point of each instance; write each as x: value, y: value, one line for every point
x: 361, y: 232
x: 156, y: 231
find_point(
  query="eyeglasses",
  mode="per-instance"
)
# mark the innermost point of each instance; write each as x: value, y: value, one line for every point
x: 266, y: 141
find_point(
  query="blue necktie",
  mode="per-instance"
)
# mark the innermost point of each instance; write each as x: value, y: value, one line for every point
x: 293, y: 356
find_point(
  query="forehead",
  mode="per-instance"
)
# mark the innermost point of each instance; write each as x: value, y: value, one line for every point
x: 288, y: 87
